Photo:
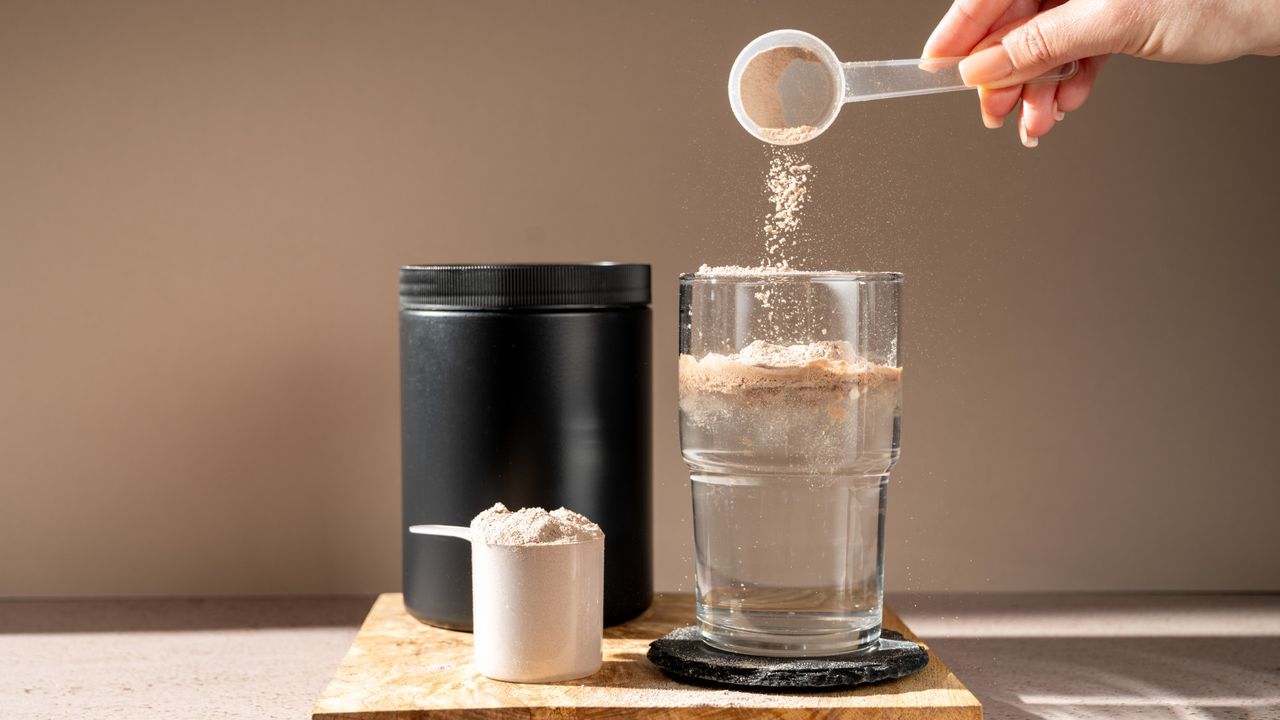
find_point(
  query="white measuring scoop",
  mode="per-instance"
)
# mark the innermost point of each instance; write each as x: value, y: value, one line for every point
x: 537, y: 610
x: 812, y: 92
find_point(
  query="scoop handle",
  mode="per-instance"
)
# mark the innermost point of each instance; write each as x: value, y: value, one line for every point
x: 880, y: 79
x: 457, y: 531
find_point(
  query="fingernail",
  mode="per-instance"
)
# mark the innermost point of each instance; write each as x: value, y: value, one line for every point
x: 992, y: 122
x: 986, y: 66
x: 1029, y: 141
x: 1057, y: 114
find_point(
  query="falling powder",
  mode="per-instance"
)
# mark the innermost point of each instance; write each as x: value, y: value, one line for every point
x: 788, y: 183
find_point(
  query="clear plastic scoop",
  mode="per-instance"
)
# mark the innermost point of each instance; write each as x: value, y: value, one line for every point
x: 785, y: 102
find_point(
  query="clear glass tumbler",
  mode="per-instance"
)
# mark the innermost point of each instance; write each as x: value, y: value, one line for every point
x: 790, y: 406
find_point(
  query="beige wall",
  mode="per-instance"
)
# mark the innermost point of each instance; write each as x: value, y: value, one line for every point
x: 203, y: 206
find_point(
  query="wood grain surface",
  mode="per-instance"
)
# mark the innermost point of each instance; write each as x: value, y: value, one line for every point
x: 401, y: 669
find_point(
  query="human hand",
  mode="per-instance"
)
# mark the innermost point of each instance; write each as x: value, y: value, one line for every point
x: 1011, y: 41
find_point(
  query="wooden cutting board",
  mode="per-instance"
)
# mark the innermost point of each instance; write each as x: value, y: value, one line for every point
x: 401, y: 669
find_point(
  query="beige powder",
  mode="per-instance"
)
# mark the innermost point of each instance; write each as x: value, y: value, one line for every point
x: 537, y: 582
x: 789, y: 135
x: 816, y: 405
x: 764, y: 367
x: 768, y: 271
x: 532, y: 526
x: 788, y: 185
x: 787, y: 182
x: 787, y: 92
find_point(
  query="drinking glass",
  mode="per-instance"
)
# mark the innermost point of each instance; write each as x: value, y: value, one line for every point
x: 790, y: 406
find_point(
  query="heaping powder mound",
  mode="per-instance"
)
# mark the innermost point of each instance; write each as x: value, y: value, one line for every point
x: 537, y: 581
x: 532, y: 526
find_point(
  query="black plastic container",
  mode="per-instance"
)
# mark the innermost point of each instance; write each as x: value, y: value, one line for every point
x: 527, y: 385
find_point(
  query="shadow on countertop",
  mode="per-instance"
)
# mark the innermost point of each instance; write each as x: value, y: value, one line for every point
x: 169, y: 614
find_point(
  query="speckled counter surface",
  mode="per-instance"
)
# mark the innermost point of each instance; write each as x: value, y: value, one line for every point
x: 178, y: 658
x: 1025, y: 656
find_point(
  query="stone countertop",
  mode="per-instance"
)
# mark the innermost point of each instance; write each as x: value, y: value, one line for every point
x: 1025, y: 656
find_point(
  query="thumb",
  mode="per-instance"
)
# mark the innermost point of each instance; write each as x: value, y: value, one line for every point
x: 1031, y: 47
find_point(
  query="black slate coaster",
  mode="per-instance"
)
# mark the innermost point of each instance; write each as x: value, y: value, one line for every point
x: 682, y: 655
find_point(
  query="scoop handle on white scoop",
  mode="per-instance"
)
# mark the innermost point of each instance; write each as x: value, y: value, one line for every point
x: 457, y: 531
x: 880, y: 79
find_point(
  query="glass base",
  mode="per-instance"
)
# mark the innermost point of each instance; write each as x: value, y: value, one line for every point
x: 788, y: 634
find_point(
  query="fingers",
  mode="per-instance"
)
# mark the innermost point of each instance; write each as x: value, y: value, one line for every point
x: 966, y: 23
x: 1038, y: 112
x: 1031, y: 47
x: 1015, y: 53
x: 996, y: 103
x: 1044, y: 105
x: 1073, y: 91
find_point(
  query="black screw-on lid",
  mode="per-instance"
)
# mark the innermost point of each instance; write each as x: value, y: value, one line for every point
x: 532, y: 286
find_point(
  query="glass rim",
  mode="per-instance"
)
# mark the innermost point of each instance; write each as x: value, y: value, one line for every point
x: 750, y: 276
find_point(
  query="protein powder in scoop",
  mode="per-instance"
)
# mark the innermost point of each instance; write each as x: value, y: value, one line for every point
x: 532, y: 526
x: 786, y: 91
x: 538, y: 594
